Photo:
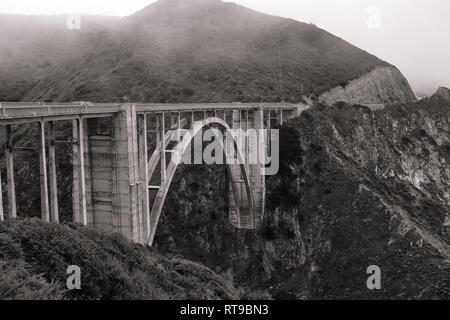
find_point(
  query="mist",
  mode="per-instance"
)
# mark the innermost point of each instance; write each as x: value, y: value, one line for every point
x: 410, y: 34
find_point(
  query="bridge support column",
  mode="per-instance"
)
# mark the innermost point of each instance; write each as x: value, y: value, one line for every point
x: 2, y: 217
x: 126, y: 204
x: 253, y: 145
x: 144, y: 183
x: 53, y: 183
x: 268, y: 128
x: 162, y: 138
x: 256, y: 168
x: 79, y: 196
x: 240, y: 214
x: 76, y: 182
x: 280, y: 117
x: 99, y: 159
x: 12, y: 211
x: 45, y: 214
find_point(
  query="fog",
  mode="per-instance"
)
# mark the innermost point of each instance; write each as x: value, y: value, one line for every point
x: 411, y: 34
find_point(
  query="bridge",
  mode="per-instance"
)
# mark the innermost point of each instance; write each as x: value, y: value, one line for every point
x: 123, y: 162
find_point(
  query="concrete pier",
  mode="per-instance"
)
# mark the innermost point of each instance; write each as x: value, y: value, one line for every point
x: 2, y: 216
x: 12, y: 211
x: 45, y: 212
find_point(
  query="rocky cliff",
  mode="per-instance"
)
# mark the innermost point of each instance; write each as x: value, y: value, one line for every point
x: 443, y: 93
x: 380, y: 86
x: 355, y: 188
x: 176, y: 51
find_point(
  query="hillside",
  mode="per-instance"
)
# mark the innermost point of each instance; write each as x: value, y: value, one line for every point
x: 30, y: 45
x: 34, y: 257
x: 355, y: 188
x: 191, y: 51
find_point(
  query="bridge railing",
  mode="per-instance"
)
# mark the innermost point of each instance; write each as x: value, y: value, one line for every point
x: 11, y: 110
x: 39, y: 109
x: 162, y: 107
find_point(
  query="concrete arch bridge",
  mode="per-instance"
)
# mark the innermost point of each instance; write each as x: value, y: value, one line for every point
x: 123, y: 162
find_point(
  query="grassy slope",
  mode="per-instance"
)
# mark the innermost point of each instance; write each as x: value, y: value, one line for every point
x: 34, y: 257
x: 178, y: 51
x: 343, y: 200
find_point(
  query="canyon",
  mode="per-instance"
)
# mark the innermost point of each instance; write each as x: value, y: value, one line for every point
x: 356, y: 188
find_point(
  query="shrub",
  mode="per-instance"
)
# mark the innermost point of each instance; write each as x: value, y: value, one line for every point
x: 111, y: 266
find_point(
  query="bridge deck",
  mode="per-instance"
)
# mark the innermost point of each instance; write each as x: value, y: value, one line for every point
x: 30, y: 111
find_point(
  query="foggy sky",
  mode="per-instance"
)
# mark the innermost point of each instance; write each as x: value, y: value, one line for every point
x: 411, y: 34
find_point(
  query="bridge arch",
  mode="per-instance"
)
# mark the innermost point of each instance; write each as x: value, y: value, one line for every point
x: 178, y: 153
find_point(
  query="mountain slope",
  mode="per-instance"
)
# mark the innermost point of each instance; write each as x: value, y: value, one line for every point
x: 383, y: 85
x: 30, y: 45
x: 203, y: 50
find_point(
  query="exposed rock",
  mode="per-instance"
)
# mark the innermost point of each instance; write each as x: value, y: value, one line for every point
x: 383, y: 85
x: 443, y: 93
x: 177, y: 51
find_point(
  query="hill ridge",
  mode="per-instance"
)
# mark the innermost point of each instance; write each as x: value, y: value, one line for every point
x: 161, y: 54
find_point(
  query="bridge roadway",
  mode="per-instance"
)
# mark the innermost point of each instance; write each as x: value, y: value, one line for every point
x: 113, y: 175
x: 21, y: 112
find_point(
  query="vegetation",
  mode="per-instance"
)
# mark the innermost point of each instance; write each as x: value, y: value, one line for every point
x: 346, y: 197
x: 34, y: 257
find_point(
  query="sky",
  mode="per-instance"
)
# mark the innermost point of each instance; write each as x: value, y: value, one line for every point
x: 414, y: 35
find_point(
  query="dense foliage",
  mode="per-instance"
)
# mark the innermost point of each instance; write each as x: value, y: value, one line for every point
x: 34, y: 257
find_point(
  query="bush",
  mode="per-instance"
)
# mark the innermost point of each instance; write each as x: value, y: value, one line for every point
x: 17, y: 284
x: 111, y: 267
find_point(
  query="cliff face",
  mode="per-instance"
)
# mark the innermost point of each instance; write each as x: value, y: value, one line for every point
x: 373, y: 188
x: 382, y: 85
x: 355, y: 188
x: 443, y: 93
